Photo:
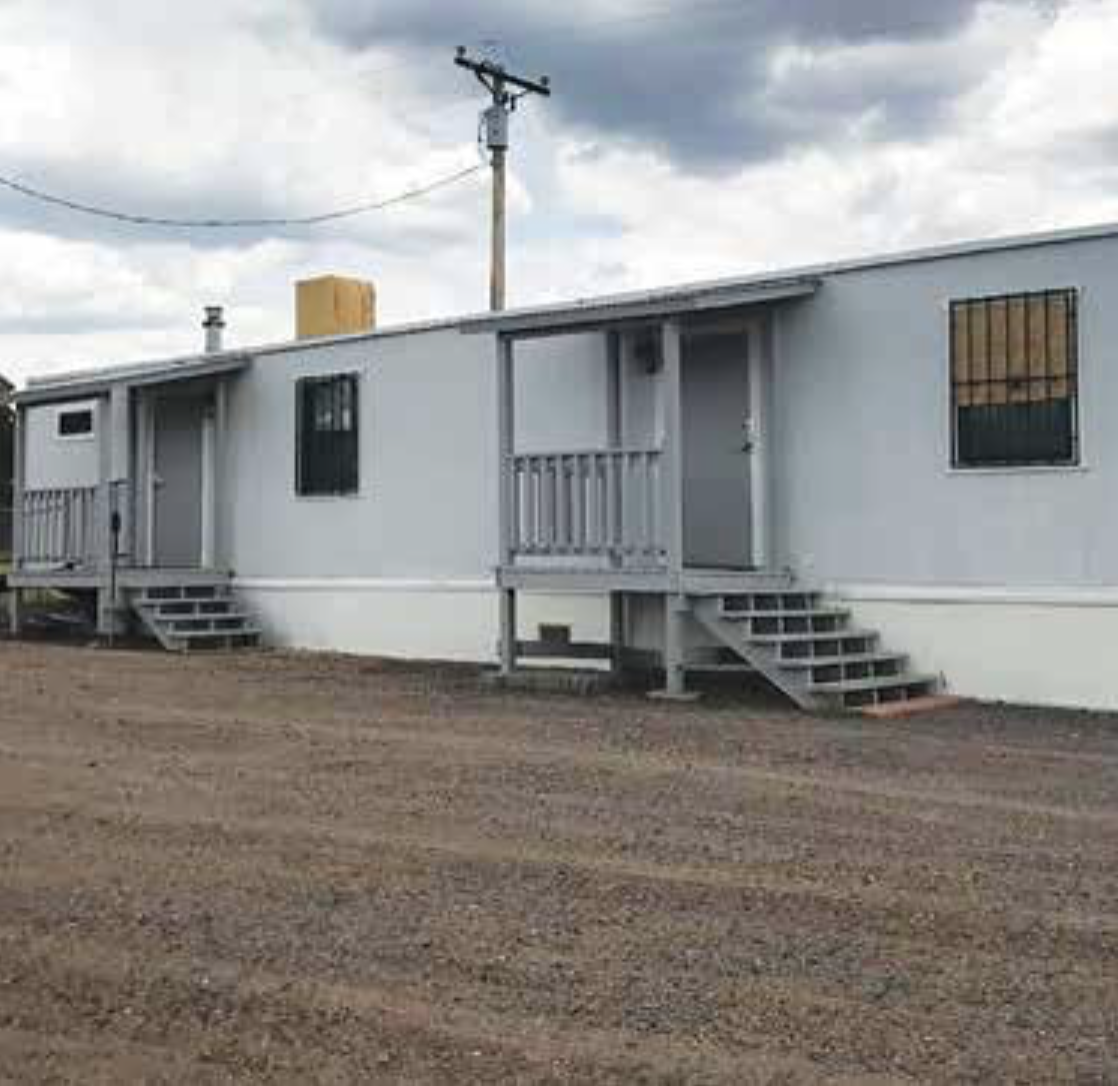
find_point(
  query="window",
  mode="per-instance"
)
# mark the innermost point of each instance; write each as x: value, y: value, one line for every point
x: 326, y: 424
x: 72, y: 424
x: 1015, y: 380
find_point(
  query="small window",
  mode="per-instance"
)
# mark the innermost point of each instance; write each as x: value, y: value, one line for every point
x: 1015, y: 380
x: 327, y: 428
x: 76, y: 423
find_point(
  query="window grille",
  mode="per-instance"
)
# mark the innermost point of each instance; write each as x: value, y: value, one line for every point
x: 1015, y: 380
x: 327, y: 428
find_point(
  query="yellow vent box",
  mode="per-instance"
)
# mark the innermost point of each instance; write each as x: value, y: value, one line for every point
x: 334, y: 306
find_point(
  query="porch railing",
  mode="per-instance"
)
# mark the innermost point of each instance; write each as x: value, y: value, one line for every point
x: 592, y: 503
x: 61, y: 527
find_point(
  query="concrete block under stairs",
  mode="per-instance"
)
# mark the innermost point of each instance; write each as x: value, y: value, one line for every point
x: 195, y: 617
x: 810, y: 650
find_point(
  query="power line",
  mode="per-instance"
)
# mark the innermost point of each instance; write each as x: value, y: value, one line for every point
x: 234, y: 224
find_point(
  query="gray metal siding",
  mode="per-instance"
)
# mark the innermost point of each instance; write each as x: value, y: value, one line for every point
x: 860, y: 454
x: 863, y: 486
x: 427, y: 501
x: 54, y: 462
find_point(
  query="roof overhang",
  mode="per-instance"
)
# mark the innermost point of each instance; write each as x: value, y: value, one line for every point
x: 101, y: 384
x: 604, y: 313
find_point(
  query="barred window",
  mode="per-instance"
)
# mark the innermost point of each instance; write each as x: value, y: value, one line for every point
x: 327, y: 429
x: 1015, y: 380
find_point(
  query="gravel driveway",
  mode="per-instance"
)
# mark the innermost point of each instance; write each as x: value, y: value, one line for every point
x: 285, y: 868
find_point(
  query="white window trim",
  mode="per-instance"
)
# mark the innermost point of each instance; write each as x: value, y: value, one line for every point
x: 76, y: 409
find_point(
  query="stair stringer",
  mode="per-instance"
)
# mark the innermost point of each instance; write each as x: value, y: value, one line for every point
x: 762, y: 658
x: 156, y: 629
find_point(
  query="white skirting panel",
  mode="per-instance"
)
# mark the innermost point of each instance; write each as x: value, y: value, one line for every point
x: 408, y: 619
x: 1033, y: 647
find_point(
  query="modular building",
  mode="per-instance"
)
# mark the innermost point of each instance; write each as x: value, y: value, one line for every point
x: 865, y: 480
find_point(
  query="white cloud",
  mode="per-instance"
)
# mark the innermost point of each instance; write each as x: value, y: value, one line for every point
x: 998, y: 163
x: 234, y: 107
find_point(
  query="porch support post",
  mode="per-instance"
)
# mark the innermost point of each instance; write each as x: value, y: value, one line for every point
x: 120, y: 463
x: 676, y: 610
x: 506, y: 429
x: 15, y: 611
x: 672, y: 519
x: 221, y: 473
x: 209, y: 486
x: 613, y: 390
x: 760, y: 371
x: 613, y: 423
x: 19, y: 485
x: 108, y: 448
x: 676, y: 606
x: 617, y: 632
x: 613, y: 443
x: 143, y: 486
x: 103, y: 429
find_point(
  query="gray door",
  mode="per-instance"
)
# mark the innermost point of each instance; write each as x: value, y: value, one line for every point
x: 716, y: 500
x: 178, y: 482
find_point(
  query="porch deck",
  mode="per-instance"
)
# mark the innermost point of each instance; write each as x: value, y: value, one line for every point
x: 652, y: 581
x: 127, y: 578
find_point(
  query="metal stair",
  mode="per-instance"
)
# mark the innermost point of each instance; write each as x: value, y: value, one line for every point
x: 810, y: 650
x: 194, y: 617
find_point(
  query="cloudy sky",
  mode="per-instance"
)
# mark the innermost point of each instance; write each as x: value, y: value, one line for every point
x: 686, y: 138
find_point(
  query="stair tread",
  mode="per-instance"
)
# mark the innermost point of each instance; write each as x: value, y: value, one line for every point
x: 849, y: 634
x: 880, y: 682
x: 223, y: 592
x: 773, y: 590
x: 215, y: 607
x: 224, y: 616
x: 806, y: 662
x: 171, y: 608
x: 722, y: 669
x: 734, y: 615
x: 240, y: 631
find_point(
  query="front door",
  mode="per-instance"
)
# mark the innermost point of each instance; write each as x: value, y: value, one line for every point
x: 716, y: 490
x: 177, y: 481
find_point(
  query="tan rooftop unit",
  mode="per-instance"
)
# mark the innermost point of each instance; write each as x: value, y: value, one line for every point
x: 332, y: 305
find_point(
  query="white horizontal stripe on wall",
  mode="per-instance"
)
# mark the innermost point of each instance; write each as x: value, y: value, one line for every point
x: 407, y: 619
x: 1043, y: 647
x: 1101, y: 596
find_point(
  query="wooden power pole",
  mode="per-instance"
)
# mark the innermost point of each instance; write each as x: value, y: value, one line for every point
x: 498, y: 81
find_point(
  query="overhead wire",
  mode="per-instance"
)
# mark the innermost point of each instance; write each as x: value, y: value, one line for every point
x: 699, y: 7
x: 135, y: 219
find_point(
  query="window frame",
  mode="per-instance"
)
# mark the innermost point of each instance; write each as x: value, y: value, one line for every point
x: 301, y: 387
x: 83, y: 435
x: 1076, y: 375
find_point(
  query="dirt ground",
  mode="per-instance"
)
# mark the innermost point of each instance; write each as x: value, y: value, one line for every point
x: 301, y: 869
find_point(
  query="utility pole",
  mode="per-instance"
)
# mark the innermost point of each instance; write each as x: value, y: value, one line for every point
x: 498, y: 81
